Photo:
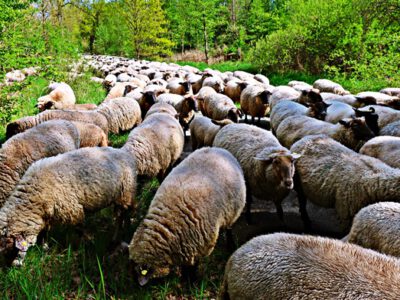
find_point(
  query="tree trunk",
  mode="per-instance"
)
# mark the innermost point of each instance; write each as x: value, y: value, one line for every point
x: 205, y: 37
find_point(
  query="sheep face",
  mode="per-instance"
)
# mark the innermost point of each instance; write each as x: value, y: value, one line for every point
x: 264, y: 97
x: 128, y: 89
x: 371, y: 118
x: 318, y: 110
x: 394, y: 103
x: 186, y: 86
x: 242, y: 85
x: 282, y: 164
x: 191, y: 103
x: 359, y: 127
x: 234, y: 114
x: 12, y: 129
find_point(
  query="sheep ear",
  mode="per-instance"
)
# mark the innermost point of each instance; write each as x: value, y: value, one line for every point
x: 177, y: 116
x: 264, y: 159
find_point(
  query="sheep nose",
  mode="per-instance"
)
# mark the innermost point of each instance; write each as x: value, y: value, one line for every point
x: 288, y: 183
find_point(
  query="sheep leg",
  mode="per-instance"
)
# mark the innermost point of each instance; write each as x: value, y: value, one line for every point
x: 119, y: 220
x: 230, y: 243
x: 302, y: 202
x: 249, y: 200
x: 252, y: 120
x: 189, y: 273
x: 245, y: 118
x: 279, y: 210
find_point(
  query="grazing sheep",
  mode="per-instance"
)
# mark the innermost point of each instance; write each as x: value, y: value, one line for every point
x: 176, y: 86
x: 268, y: 167
x: 146, y: 101
x: 289, y: 266
x: 332, y: 175
x: 109, y: 81
x: 391, y: 91
x: 377, y: 227
x: 326, y: 85
x: 121, y: 113
x: 261, y: 78
x: 203, y: 131
x: 202, y: 195
x: 392, y: 129
x: 219, y: 107
x: 282, y: 92
x: 385, y: 148
x: 90, y: 135
x: 61, y: 96
x: 254, y: 101
x: 61, y: 189
x: 242, y: 75
x: 215, y: 82
x: 354, y: 101
x: 156, y: 144
x: 197, y: 81
x: 350, y: 132
x: 381, y: 98
x: 285, y: 109
x: 204, y: 93
x: 25, y: 123
x: 295, y: 83
x: 120, y: 89
x: 234, y: 89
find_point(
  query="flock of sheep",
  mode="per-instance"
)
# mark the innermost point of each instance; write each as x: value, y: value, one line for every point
x: 55, y: 167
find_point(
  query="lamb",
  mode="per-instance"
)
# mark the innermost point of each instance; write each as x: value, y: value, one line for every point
x: 385, y: 148
x: 290, y: 266
x: 203, y: 131
x: 61, y: 96
x: 377, y: 227
x: 234, y: 89
x: 254, y: 101
x: 285, y: 109
x: 25, y: 123
x: 268, y: 167
x: 176, y: 86
x: 202, y: 195
x: 61, y: 189
x: 219, y: 107
x: 156, y: 144
x: 350, y: 132
x: 326, y: 85
x: 332, y: 175
x: 121, y: 113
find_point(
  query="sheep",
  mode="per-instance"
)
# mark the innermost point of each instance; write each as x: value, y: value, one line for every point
x: 215, y: 82
x: 377, y: 227
x: 243, y: 75
x: 354, y: 101
x: 204, y: 93
x: 326, y: 85
x: 282, y: 92
x: 202, y: 195
x: 156, y: 144
x: 391, y: 91
x: 290, y: 266
x: 162, y: 107
x: 176, y: 86
x: 392, y: 129
x: 386, y: 115
x: 85, y: 106
x: 120, y: 89
x: 25, y: 123
x: 381, y: 98
x: 350, y: 132
x: 234, y: 89
x: 284, y: 109
x: 385, y: 148
x: 297, y: 83
x: 90, y: 135
x: 197, y: 81
x: 219, y: 107
x: 268, y: 167
x: 186, y: 106
x: 146, y: 101
x: 203, y: 131
x: 61, y: 96
x: 121, y: 113
x: 261, y: 78
x: 60, y: 189
x: 254, y: 101
x: 332, y: 175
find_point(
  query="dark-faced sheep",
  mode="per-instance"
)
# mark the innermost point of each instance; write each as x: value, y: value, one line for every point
x: 254, y: 101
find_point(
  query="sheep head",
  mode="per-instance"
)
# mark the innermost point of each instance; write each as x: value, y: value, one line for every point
x: 371, y: 118
x: 318, y: 110
x: 12, y: 129
x: 186, y: 85
x: 282, y: 164
x: 364, y: 101
x: 264, y: 97
x: 234, y: 114
x: 359, y: 128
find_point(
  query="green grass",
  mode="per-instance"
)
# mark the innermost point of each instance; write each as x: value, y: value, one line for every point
x: 223, y: 66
